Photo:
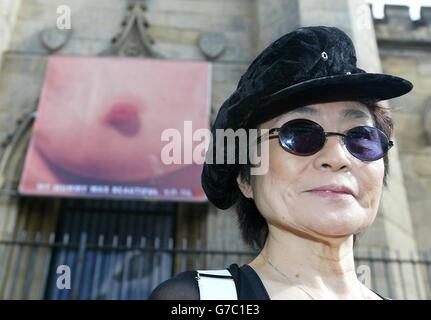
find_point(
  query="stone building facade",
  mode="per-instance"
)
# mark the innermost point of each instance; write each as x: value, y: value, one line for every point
x: 405, y: 50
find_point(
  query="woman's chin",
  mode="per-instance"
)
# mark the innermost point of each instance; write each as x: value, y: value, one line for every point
x: 338, y: 229
x: 338, y: 224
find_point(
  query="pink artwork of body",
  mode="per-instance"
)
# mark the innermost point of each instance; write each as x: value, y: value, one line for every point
x: 100, y: 121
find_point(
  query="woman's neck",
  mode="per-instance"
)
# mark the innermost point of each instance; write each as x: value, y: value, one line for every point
x: 325, y: 267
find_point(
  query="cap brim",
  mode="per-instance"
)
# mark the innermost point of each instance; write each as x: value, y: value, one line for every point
x: 373, y: 86
x: 367, y: 85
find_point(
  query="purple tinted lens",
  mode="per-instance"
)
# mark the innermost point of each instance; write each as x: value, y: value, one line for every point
x: 302, y: 137
x: 367, y: 143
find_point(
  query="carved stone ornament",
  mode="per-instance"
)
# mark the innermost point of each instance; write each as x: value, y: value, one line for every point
x: 134, y: 38
x: 212, y: 44
x: 53, y: 39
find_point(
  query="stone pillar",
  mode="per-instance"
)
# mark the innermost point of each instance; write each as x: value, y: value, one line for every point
x: 8, y: 14
x: 394, y: 214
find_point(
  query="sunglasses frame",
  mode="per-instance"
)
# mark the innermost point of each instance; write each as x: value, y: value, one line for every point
x: 326, y: 134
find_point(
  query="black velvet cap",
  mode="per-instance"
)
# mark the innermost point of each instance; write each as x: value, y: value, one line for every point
x: 308, y: 65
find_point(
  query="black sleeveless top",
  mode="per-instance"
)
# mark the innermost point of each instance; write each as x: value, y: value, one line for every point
x: 184, y: 286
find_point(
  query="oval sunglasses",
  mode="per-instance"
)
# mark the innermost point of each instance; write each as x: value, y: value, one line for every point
x: 303, y: 137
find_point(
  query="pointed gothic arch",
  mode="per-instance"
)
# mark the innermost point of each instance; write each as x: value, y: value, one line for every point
x: 134, y: 39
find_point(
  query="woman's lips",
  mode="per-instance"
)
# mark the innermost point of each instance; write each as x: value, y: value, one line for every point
x: 331, y: 194
x: 124, y: 118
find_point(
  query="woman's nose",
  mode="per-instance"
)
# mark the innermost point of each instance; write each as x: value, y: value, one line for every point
x: 333, y: 155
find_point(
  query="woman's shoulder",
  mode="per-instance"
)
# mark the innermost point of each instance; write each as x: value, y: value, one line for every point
x: 181, y: 287
x: 184, y: 286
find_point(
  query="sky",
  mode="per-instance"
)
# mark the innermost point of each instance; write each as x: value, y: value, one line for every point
x: 414, y: 5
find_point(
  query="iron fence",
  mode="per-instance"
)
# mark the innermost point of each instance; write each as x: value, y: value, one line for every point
x: 52, y: 268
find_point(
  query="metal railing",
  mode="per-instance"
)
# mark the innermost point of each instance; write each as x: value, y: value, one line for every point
x: 132, y: 268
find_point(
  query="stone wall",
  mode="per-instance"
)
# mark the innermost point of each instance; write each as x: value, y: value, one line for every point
x: 405, y: 50
x: 175, y: 25
x: 8, y: 13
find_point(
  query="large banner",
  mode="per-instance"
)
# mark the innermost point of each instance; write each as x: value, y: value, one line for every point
x: 120, y: 128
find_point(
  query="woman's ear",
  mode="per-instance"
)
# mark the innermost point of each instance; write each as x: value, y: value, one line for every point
x: 245, y: 187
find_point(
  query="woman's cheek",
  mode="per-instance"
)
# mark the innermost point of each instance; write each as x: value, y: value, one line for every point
x: 274, y: 194
x: 371, y: 184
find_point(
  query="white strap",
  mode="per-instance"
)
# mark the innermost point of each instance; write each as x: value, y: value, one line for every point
x: 216, y: 288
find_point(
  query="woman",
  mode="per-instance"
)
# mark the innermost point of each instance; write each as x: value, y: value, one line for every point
x: 328, y: 141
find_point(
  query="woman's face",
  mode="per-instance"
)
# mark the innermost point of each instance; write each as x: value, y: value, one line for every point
x: 283, y: 195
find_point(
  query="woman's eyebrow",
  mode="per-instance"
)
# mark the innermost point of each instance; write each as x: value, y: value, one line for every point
x: 306, y: 109
x: 355, y: 114
x: 351, y: 113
